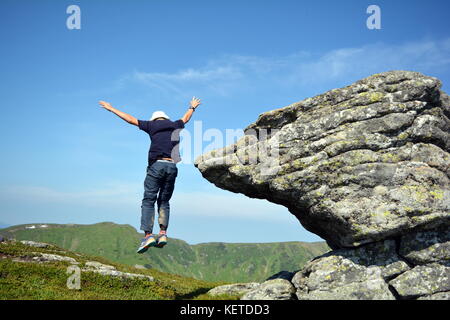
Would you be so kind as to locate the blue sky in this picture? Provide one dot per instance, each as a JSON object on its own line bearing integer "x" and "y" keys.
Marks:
{"x": 66, "y": 160}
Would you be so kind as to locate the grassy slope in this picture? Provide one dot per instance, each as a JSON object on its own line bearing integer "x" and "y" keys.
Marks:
{"x": 31, "y": 280}
{"x": 209, "y": 261}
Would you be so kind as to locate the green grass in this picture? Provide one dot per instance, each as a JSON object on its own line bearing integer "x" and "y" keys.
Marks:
{"x": 231, "y": 262}
{"x": 36, "y": 281}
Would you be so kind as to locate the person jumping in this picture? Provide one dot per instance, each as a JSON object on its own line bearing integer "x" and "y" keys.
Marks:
{"x": 162, "y": 170}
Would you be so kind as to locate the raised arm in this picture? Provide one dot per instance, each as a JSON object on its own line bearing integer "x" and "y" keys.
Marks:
{"x": 194, "y": 103}
{"x": 125, "y": 116}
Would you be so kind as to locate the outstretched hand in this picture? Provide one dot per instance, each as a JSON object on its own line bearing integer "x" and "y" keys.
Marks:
{"x": 195, "y": 102}
{"x": 105, "y": 105}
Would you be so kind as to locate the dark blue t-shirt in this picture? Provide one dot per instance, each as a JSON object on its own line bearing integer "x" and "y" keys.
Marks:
{"x": 165, "y": 138}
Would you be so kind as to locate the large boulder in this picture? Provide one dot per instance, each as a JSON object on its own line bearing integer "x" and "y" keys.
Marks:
{"x": 275, "y": 289}
{"x": 351, "y": 274}
{"x": 107, "y": 270}
{"x": 423, "y": 280}
{"x": 355, "y": 165}
{"x": 379, "y": 271}
{"x": 236, "y": 289}
{"x": 383, "y": 270}
{"x": 426, "y": 247}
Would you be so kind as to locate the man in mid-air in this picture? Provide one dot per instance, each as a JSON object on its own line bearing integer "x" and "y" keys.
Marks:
{"x": 161, "y": 170}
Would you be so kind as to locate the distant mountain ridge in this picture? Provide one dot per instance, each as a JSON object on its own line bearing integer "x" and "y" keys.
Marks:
{"x": 217, "y": 261}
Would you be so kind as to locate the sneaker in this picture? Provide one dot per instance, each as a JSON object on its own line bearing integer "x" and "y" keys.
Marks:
{"x": 147, "y": 242}
{"x": 162, "y": 241}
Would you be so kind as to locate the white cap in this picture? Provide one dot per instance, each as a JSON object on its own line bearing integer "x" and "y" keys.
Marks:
{"x": 159, "y": 114}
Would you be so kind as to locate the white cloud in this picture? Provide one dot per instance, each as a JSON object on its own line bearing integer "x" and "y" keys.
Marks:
{"x": 229, "y": 73}
{"x": 216, "y": 78}
{"x": 225, "y": 72}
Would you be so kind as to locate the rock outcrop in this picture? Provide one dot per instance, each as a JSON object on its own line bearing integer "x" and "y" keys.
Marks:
{"x": 108, "y": 270}
{"x": 378, "y": 271}
{"x": 89, "y": 266}
{"x": 49, "y": 257}
{"x": 354, "y": 165}
{"x": 236, "y": 289}
{"x": 36, "y": 244}
{"x": 367, "y": 168}
{"x": 416, "y": 266}
{"x": 276, "y": 289}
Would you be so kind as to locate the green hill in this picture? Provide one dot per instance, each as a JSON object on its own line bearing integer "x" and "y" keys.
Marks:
{"x": 32, "y": 273}
{"x": 232, "y": 262}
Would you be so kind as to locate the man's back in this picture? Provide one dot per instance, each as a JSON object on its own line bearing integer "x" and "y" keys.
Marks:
{"x": 164, "y": 141}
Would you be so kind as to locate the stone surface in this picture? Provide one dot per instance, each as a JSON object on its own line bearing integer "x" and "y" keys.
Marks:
{"x": 108, "y": 270}
{"x": 351, "y": 274}
{"x": 237, "y": 289}
{"x": 355, "y": 165}
{"x": 373, "y": 289}
{"x": 276, "y": 289}
{"x": 436, "y": 296}
{"x": 367, "y": 168}
{"x": 48, "y": 257}
{"x": 425, "y": 247}
{"x": 35, "y": 244}
{"x": 98, "y": 265}
{"x": 422, "y": 280}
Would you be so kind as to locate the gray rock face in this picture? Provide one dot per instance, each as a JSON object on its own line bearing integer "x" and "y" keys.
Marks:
{"x": 423, "y": 280}
{"x": 367, "y": 168}
{"x": 351, "y": 274}
{"x": 107, "y": 270}
{"x": 355, "y": 165}
{"x": 426, "y": 247}
{"x": 236, "y": 289}
{"x": 415, "y": 266}
{"x": 48, "y": 257}
{"x": 276, "y": 289}
{"x": 36, "y": 244}
{"x": 98, "y": 265}
{"x": 377, "y": 272}
{"x": 437, "y": 296}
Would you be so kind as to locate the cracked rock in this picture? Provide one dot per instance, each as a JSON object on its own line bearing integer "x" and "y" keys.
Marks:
{"x": 351, "y": 274}
{"x": 422, "y": 280}
{"x": 108, "y": 270}
{"x": 355, "y": 165}
{"x": 275, "y": 289}
{"x": 36, "y": 244}
{"x": 236, "y": 289}
{"x": 367, "y": 168}
{"x": 427, "y": 246}
{"x": 48, "y": 257}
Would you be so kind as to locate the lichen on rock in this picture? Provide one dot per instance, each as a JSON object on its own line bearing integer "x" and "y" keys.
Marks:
{"x": 355, "y": 165}
{"x": 367, "y": 168}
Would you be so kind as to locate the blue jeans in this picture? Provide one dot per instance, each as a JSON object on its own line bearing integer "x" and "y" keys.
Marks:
{"x": 158, "y": 185}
